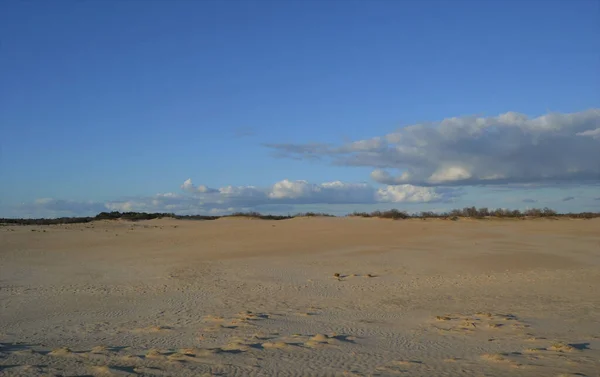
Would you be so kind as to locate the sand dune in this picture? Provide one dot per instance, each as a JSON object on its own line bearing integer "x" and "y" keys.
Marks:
{"x": 301, "y": 297}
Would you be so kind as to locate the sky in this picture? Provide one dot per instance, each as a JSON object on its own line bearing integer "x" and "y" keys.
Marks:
{"x": 212, "y": 107}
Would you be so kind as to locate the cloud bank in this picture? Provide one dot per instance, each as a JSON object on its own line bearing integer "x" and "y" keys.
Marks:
{"x": 201, "y": 199}
{"x": 506, "y": 149}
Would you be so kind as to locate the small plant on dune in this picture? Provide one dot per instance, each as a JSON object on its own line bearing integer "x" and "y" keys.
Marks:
{"x": 313, "y": 214}
{"x": 394, "y": 214}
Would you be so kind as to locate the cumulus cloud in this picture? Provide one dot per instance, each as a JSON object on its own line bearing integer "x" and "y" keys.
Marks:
{"x": 407, "y": 193}
{"x": 328, "y": 192}
{"x": 190, "y": 187}
{"x": 505, "y": 149}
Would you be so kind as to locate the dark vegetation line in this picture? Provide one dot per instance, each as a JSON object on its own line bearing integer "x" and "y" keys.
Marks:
{"x": 468, "y": 212}
{"x": 479, "y": 213}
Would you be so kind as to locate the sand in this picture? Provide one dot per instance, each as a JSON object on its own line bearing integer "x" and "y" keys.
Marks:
{"x": 242, "y": 297}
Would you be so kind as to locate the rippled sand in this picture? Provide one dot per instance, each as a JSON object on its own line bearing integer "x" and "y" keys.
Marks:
{"x": 301, "y": 297}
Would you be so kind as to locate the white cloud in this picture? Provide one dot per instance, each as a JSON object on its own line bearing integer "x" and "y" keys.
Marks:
{"x": 289, "y": 189}
{"x": 190, "y": 187}
{"x": 509, "y": 148}
{"x": 407, "y": 193}
{"x": 449, "y": 174}
{"x": 594, "y": 134}
{"x": 240, "y": 192}
{"x": 328, "y": 192}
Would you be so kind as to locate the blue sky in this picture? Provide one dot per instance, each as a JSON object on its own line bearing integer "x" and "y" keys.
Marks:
{"x": 114, "y": 105}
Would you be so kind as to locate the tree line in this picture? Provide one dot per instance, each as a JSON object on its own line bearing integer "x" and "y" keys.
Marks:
{"x": 455, "y": 214}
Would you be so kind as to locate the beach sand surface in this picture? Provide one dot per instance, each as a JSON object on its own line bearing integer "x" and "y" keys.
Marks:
{"x": 301, "y": 297}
